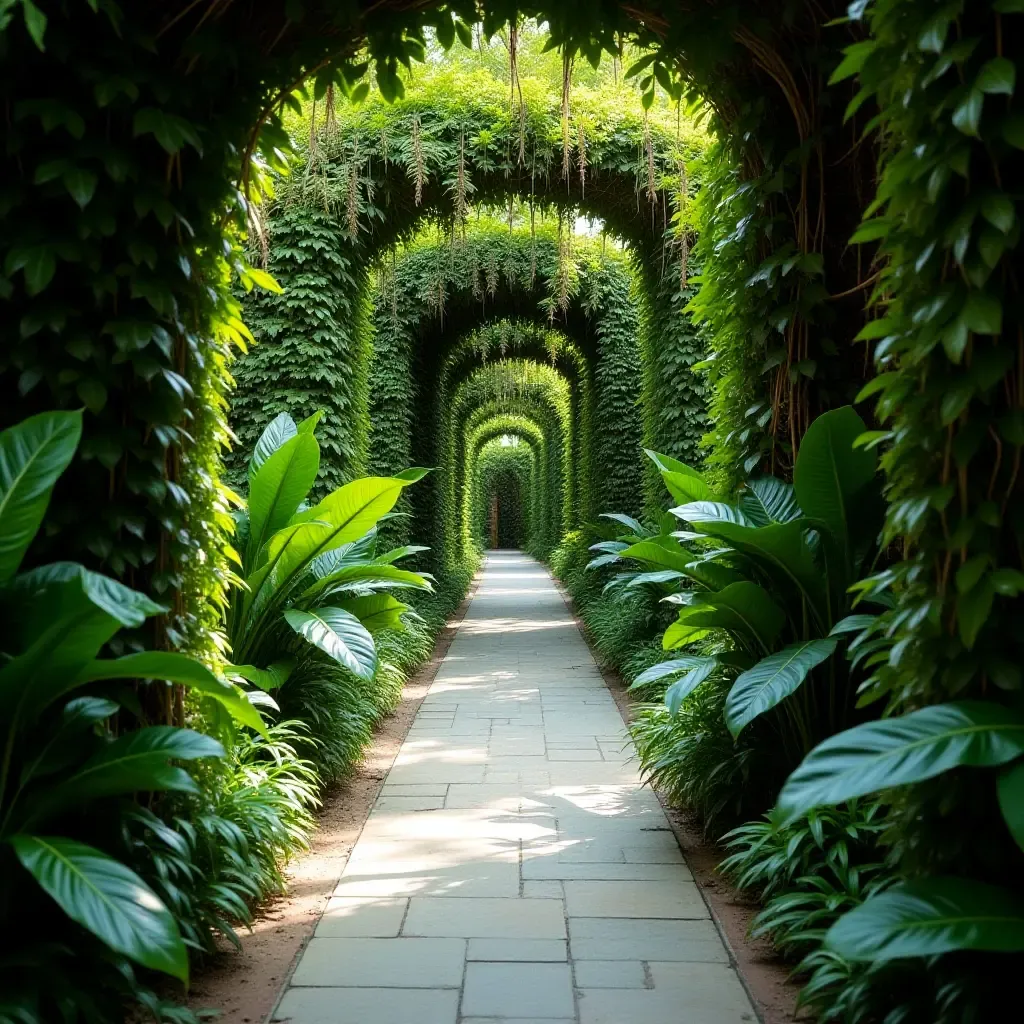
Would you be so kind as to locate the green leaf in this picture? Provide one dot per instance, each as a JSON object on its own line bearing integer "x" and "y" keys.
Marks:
{"x": 683, "y": 483}
{"x": 666, "y": 668}
{"x": 744, "y": 609}
{"x": 997, "y": 76}
{"x": 972, "y": 611}
{"x": 680, "y": 633}
{"x": 928, "y": 917}
{"x": 772, "y": 680}
{"x": 107, "y": 899}
{"x": 263, "y": 280}
{"x": 900, "y": 751}
{"x": 137, "y": 761}
{"x": 983, "y": 313}
{"x": 830, "y": 475}
{"x": 377, "y": 611}
{"x": 33, "y": 455}
{"x": 340, "y": 635}
{"x": 35, "y": 22}
{"x": 767, "y": 500}
{"x": 277, "y": 488}
{"x": 267, "y": 679}
{"x": 967, "y": 115}
{"x": 280, "y": 429}
{"x": 179, "y": 668}
{"x": 1010, "y": 790}
{"x": 81, "y": 185}
{"x": 682, "y": 688}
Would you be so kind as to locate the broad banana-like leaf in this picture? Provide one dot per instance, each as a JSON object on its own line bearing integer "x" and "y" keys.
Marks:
{"x": 309, "y": 424}
{"x": 830, "y": 473}
{"x": 902, "y": 750}
{"x": 397, "y": 554}
{"x": 60, "y": 748}
{"x": 107, "y": 899}
{"x": 682, "y": 688}
{"x": 680, "y": 633}
{"x": 33, "y": 454}
{"x": 772, "y": 680}
{"x": 852, "y": 624}
{"x": 1010, "y": 789}
{"x": 279, "y": 430}
{"x": 68, "y": 615}
{"x": 767, "y": 500}
{"x": 138, "y": 761}
{"x": 277, "y": 488}
{"x": 631, "y": 524}
{"x": 370, "y": 575}
{"x": 377, "y": 612}
{"x": 659, "y": 576}
{"x": 602, "y": 560}
{"x": 179, "y": 668}
{"x": 744, "y": 609}
{"x": 610, "y": 547}
{"x": 781, "y": 550}
{"x": 343, "y": 516}
{"x": 664, "y": 669}
{"x": 340, "y": 635}
{"x": 413, "y": 474}
{"x": 269, "y": 678}
{"x": 711, "y": 512}
{"x": 353, "y": 553}
{"x": 683, "y": 482}
{"x": 665, "y": 553}
{"x": 930, "y": 916}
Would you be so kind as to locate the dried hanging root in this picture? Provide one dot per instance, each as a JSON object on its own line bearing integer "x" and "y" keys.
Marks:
{"x": 652, "y": 190}
{"x": 352, "y": 194}
{"x": 581, "y": 155}
{"x": 419, "y": 164}
{"x": 461, "y": 205}
{"x": 516, "y": 88}
{"x": 684, "y": 238}
{"x": 566, "y": 143}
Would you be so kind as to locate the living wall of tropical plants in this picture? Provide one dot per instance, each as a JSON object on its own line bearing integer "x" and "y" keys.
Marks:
{"x": 738, "y": 283}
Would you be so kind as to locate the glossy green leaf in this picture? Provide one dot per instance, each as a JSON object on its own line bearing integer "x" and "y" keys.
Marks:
{"x": 1010, "y": 789}
{"x": 280, "y": 429}
{"x": 767, "y": 500}
{"x": 928, "y": 917}
{"x": 33, "y": 455}
{"x": 267, "y": 679}
{"x": 340, "y": 635}
{"x": 830, "y": 474}
{"x": 682, "y": 688}
{"x": 772, "y": 680}
{"x": 377, "y": 611}
{"x": 106, "y": 898}
{"x": 179, "y": 668}
{"x": 902, "y": 750}
{"x": 278, "y": 486}
{"x": 745, "y": 609}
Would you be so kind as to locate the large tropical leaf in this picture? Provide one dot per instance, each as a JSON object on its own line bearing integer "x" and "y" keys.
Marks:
{"x": 106, "y": 898}
{"x": 340, "y": 635}
{"x": 767, "y": 500}
{"x": 343, "y": 516}
{"x": 683, "y": 482}
{"x": 278, "y": 486}
{"x": 270, "y": 678}
{"x": 898, "y": 751}
{"x": 830, "y": 473}
{"x": 397, "y": 554}
{"x": 367, "y": 574}
{"x": 631, "y": 524}
{"x": 666, "y": 668}
{"x": 61, "y": 747}
{"x": 715, "y": 512}
{"x": 138, "y": 761}
{"x": 279, "y": 430}
{"x": 1011, "y": 800}
{"x": 773, "y": 679}
{"x": 664, "y": 553}
{"x": 744, "y": 609}
{"x": 782, "y": 551}
{"x": 33, "y": 454}
{"x": 930, "y": 916}
{"x": 682, "y": 688}
{"x": 66, "y": 614}
{"x": 179, "y": 668}
{"x": 377, "y": 611}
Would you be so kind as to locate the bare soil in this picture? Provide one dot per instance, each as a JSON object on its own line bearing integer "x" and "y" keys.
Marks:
{"x": 244, "y": 986}
{"x": 764, "y": 975}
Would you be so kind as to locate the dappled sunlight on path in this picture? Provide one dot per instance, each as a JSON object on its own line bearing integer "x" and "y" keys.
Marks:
{"x": 514, "y": 868}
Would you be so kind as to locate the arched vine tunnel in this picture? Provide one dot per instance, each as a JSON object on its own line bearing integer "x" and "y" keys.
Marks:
{"x": 713, "y": 308}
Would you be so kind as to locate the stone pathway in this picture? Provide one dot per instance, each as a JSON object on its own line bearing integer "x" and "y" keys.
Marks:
{"x": 513, "y": 868}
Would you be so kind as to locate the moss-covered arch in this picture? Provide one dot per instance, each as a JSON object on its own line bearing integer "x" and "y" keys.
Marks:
{"x": 372, "y": 183}
{"x": 495, "y": 277}
{"x": 504, "y": 473}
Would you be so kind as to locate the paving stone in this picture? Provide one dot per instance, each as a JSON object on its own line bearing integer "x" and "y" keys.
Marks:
{"x": 347, "y": 916}
{"x": 360, "y": 1005}
{"x": 425, "y": 789}
{"x": 544, "y": 889}
{"x": 391, "y": 804}
{"x": 486, "y": 918}
{"x": 689, "y": 993}
{"x": 610, "y": 974}
{"x": 519, "y": 950}
{"x": 558, "y": 754}
{"x": 381, "y": 963}
{"x": 555, "y": 868}
{"x": 609, "y": 938}
{"x": 528, "y": 991}
{"x": 677, "y": 898}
